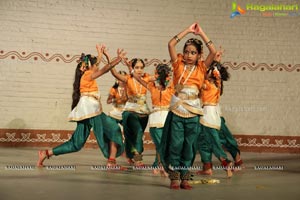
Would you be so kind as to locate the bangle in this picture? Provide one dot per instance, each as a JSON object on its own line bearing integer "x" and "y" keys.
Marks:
{"x": 208, "y": 43}
{"x": 176, "y": 38}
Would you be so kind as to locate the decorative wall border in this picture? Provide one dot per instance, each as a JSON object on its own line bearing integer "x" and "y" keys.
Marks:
{"x": 51, "y": 138}
{"x": 68, "y": 59}
{"x": 262, "y": 66}
{"x": 36, "y": 56}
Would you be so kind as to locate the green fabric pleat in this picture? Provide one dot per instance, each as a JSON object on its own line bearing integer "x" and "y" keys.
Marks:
{"x": 178, "y": 143}
{"x": 228, "y": 140}
{"x": 156, "y": 134}
{"x": 77, "y": 140}
{"x": 209, "y": 142}
{"x": 133, "y": 127}
{"x": 105, "y": 130}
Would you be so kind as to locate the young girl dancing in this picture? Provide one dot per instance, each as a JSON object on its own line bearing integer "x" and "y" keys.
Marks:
{"x": 181, "y": 129}
{"x": 209, "y": 139}
{"x": 136, "y": 111}
{"x": 87, "y": 112}
{"x": 118, "y": 98}
{"x": 161, "y": 91}
{"x": 226, "y": 137}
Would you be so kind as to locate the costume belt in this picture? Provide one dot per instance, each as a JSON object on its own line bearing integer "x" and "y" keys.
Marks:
{"x": 91, "y": 94}
{"x": 184, "y": 96}
{"x": 137, "y": 100}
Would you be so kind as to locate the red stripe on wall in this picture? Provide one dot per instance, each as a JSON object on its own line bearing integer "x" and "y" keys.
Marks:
{"x": 52, "y": 138}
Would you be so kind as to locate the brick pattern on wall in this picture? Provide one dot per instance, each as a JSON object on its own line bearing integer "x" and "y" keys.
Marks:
{"x": 41, "y": 41}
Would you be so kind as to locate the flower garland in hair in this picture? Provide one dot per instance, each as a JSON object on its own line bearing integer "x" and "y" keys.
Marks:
{"x": 83, "y": 59}
{"x": 222, "y": 71}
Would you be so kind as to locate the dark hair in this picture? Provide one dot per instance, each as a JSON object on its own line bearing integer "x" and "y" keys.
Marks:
{"x": 135, "y": 60}
{"x": 163, "y": 72}
{"x": 223, "y": 73}
{"x": 86, "y": 60}
{"x": 116, "y": 85}
{"x": 76, "y": 86}
{"x": 195, "y": 42}
{"x": 93, "y": 60}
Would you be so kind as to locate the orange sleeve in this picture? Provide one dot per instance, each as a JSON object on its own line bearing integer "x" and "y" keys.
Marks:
{"x": 177, "y": 61}
{"x": 87, "y": 84}
{"x": 151, "y": 86}
{"x": 112, "y": 92}
{"x": 206, "y": 85}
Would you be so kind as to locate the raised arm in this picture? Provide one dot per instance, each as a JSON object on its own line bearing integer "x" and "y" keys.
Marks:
{"x": 118, "y": 76}
{"x": 211, "y": 47}
{"x": 100, "y": 50}
{"x": 121, "y": 77}
{"x": 128, "y": 64}
{"x": 172, "y": 43}
{"x": 113, "y": 70}
{"x": 219, "y": 54}
{"x": 120, "y": 55}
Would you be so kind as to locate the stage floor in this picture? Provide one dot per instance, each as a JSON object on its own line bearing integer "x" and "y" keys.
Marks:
{"x": 82, "y": 175}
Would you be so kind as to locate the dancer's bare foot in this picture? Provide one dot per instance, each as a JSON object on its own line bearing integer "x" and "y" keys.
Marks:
{"x": 238, "y": 165}
{"x": 139, "y": 164}
{"x": 229, "y": 169}
{"x": 112, "y": 165}
{"x": 156, "y": 171}
{"x": 138, "y": 160}
{"x": 175, "y": 185}
{"x": 185, "y": 185}
{"x": 130, "y": 161}
{"x": 42, "y": 156}
{"x": 205, "y": 172}
{"x": 163, "y": 173}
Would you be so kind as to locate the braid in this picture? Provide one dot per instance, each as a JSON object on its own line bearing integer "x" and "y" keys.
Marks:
{"x": 76, "y": 86}
{"x": 223, "y": 73}
{"x": 163, "y": 73}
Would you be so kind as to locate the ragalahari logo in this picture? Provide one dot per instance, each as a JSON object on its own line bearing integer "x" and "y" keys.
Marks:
{"x": 236, "y": 10}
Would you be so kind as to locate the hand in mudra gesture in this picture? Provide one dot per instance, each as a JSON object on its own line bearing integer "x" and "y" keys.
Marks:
{"x": 197, "y": 29}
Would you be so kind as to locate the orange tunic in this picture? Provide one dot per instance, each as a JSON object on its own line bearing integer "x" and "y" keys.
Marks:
{"x": 134, "y": 88}
{"x": 196, "y": 78}
{"x": 119, "y": 100}
{"x": 210, "y": 98}
{"x": 87, "y": 84}
{"x": 186, "y": 102}
{"x": 158, "y": 97}
{"x": 89, "y": 104}
{"x": 211, "y": 92}
{"x": 136, "y": 93}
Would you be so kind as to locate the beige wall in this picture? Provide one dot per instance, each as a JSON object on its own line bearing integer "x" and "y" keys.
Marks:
{"x": 36, "y": 94}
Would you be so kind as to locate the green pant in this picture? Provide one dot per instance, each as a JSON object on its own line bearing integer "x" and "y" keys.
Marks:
{"x": 106, "y": 130}
{"x": 209, "y": 142}
{"x": 156, "y": 134}
{"x": 117, "y": 120}
{"x": 178, "y": 143}
{"x": 134, "y": 127}
{"x": 228, "y": 140}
